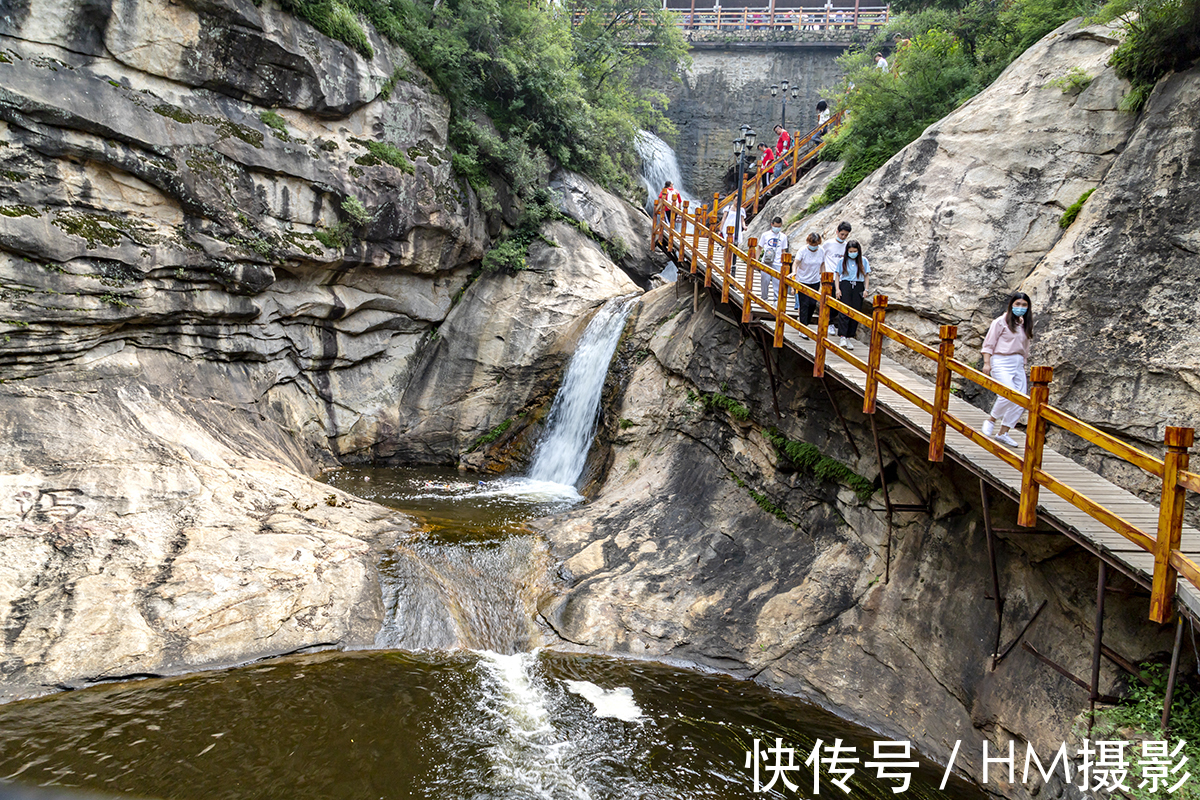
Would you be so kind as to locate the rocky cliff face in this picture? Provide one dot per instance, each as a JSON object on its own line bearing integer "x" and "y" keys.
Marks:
{"x": 232, "y": 252}
{"x": 970, "y": 212}
{"x": 707, "y": 544}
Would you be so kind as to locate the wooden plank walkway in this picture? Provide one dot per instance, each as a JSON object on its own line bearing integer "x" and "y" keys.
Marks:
{"x": 1087, "y": 531}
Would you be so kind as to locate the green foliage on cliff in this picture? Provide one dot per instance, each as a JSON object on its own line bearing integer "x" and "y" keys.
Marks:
{"x": 1161, "y": 36}
{"x": 1138, "y": 718}
{"x": 941, "y": 52}
{"x": 1073, "y": 210}
{"x": 718, "y": 400}
{"x": 806, "y": 457}
{"x": 556, "y": 87}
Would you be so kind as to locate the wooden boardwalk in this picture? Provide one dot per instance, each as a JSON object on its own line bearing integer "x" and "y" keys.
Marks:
{"x": 1098, "y": 537}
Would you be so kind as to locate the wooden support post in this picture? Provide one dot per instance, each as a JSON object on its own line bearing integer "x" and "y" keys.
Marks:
{"x": 654, "y": 225}
{"x": 716, "y": 212}
{"x": 1174, "y": 672}
{"x": 941, "y": 393}
{"x": 1035, "y": 440}
{"x": 991, "y": 550}
{"x": 701, "y": 214}
{"x": 748, "y": 288}
{"x": 1170, "y": 522}
{"x": 1097, "y": 640}
{"x": 822, "y": 324}
{"x": 682, "y": 230}
{"x": 874, "y": 353}
{"x": 781, "y": 302}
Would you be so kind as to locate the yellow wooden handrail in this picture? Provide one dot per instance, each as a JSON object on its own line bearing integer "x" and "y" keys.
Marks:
{"x": 682, "y": 233}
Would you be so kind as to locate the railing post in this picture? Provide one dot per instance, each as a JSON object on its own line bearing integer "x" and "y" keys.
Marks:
{"x": 1035, "y": 440}
{"x": 941, "y": 393}
{"x": 716, "y": 211}
{"x": 781, "y": 303}
{"x": 748, "y": 289}
{"x": 795, "y": 156}
{"x": 729, "y": 271}
{"x": 701, "y": 214}
{"x": 1170, "y": 522}
{"x": 712, "y": 241}
{"x": 822, "y": 324}
{"x": 874, "y": 353}
{"x": 654, "y": 226}
{"x": 682, "y": 232}
{"x": 758, "y": 184}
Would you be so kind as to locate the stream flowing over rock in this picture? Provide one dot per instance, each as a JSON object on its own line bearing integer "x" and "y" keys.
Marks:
{"x": 234, "y": 252}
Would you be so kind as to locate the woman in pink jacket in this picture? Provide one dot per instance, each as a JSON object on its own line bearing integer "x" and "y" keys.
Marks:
{"x": 1005, "y": 351}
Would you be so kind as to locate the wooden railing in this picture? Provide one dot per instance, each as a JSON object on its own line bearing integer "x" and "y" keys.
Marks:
{"x": 802, "y": 151}
{"x": 690, "y": 237}
{"x": 779, "y": 18}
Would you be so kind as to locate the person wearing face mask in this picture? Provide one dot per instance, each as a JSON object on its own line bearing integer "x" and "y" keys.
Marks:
{"x": 774, "y": 245}
{"x": 1005, "y": 351}
{"x": 854, "y": 281}
{"x": 834, "y": 250}
{"x": 807, "y": 270}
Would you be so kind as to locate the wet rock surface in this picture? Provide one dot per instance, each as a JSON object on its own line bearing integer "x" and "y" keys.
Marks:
{"x": 227, "y": 246}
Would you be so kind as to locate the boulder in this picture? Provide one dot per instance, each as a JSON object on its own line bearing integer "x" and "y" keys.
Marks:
{"x": 624, "y": 228}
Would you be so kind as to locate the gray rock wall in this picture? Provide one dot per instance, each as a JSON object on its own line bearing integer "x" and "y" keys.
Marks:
{"x": 728, "y": 86}
{"x": 681, "y": 555}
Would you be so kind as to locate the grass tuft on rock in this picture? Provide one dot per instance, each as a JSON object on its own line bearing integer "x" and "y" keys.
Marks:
{"x": 807, "y": 458}
{"x": 1073, "y": 210}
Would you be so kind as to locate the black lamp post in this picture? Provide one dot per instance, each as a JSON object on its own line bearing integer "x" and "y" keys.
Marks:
{"x": 740, "y": 146}
{"x": 775, "y": 91}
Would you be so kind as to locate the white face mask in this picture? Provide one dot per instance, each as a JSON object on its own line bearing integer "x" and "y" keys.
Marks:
{"x": 775, "y": 230}
{"x": 813, "y": 247}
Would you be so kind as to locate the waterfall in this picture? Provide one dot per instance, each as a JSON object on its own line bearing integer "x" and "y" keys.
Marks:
{"x": 562, "y": 451}
{"x": 529, "y": 758}
{"x": 659, "y": 165}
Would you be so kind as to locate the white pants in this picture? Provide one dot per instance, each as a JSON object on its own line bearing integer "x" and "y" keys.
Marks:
{"x": 1010, "y": 371}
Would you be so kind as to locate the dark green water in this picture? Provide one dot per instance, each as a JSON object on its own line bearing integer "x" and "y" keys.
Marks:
{"x": 450, "y": 725}
{"x": 430, "y": 725}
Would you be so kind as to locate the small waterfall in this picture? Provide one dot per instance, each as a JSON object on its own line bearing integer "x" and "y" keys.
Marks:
{"x": 528, "y": 757}
{"x": 659, "y": 165}
{"x": 562, "y": 452}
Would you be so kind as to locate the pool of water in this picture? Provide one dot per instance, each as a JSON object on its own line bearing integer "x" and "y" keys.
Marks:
{"x": 476, "y": 726}
{"x": 454, "y": 507}
{"x": 436, "y": 719}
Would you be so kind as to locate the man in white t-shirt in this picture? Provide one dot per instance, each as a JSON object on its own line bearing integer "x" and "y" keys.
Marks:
{"x": 774, "y": 245}
{"x": 835, "y": 250}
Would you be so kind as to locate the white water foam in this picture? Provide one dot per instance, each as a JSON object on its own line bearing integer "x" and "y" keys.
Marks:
{"x": 529, "y": 758}
{"x": 616, "y": 703}
{"x": 562, "y": 452}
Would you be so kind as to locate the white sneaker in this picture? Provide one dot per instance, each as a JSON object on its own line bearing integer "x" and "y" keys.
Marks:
{"x": 1004, "y": 438}
{"x": 842, "y": 343}
{"x": 989, "y": 427}
{"x": 849, "y": 344}
{"x": 832, "y": 330}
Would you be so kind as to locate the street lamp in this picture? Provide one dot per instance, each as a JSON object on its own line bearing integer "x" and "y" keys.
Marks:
{"x": 740, "y": 146}
{"x": 783, "y": 116}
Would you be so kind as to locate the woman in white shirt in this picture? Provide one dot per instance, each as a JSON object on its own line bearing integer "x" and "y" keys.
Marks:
{"x": 1005, "y": 350}
{"x": 806, "y": 268}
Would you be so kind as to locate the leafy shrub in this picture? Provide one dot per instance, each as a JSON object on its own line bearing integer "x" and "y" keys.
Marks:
{"x": 335, "y": 20}
{"x": 1140, "y": 714}
{"x": 1161, "y": 36}
{"x": 1074, "y": 82}
{"x": 356, "y": 210}
{"x": 390, "y": 154}
{"x": 1073, "y": 210}
{"x": 275, "y": 122}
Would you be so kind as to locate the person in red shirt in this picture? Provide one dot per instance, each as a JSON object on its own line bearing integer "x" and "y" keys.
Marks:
{"x": 782, "y": 146}
{"x": 764, "y": 167}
